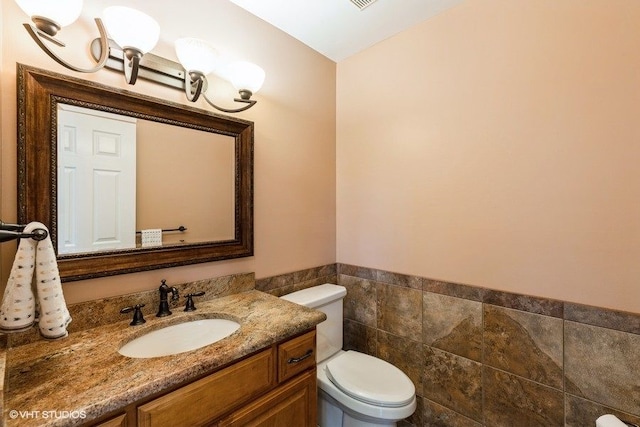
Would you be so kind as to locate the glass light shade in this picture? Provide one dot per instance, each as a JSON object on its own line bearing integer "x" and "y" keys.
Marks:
{"x": 130, "y": 28}
{"x": 62, "y": 12}
{"x": 196, "y": 55}
{"x": 246, "y": 76}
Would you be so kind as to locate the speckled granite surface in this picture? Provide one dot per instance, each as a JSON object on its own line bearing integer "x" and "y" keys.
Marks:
{"x": 85, "y": 372}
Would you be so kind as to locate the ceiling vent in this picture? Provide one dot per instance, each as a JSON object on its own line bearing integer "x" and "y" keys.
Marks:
{"x": 362, "y": 4}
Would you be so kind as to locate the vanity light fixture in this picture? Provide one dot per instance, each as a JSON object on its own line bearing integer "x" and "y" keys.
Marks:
{"x": 49, "y": 17}
{"x": 247, "y": 78}
{"x": 132, "y": 35}
{"x": 135, "y": 32}
{"x": 199, "y": 59}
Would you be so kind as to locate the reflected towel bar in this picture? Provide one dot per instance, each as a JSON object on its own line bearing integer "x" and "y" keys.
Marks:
{"x": 181, "y": 229}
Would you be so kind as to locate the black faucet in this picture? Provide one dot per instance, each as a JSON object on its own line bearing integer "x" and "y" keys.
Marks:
{"x": 164, "y": 289}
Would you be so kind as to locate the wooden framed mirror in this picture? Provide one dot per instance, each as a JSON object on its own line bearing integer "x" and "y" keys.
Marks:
{"x": 41, "y": 94}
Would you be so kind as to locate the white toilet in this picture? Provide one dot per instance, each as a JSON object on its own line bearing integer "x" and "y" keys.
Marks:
{"x": 354, "y": 389}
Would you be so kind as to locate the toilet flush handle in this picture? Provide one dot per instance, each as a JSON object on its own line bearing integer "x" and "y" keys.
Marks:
{"x": 293, "y": 360}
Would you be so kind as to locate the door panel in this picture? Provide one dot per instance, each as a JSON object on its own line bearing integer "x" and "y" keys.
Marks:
{"x": 96, "y": 167}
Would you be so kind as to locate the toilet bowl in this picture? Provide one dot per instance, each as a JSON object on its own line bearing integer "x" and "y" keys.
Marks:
{"x": 366, "y": 391}
{"x": 354, "y": 389}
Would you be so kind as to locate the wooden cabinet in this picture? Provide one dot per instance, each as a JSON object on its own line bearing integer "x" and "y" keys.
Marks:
{"x": 207, "y": 399}
{"x": 118, "y": 421}
{"x": 274, "y": 387}
{"x": 296, "y": 355}
{"x": 293, "y": 404}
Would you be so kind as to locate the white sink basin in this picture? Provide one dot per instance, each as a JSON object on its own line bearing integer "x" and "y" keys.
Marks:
{"x": 179, "y": 338}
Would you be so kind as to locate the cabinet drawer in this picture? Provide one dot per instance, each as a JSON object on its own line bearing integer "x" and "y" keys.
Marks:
{"x": 204, "y": 400}
{"x": 296, "y": 355}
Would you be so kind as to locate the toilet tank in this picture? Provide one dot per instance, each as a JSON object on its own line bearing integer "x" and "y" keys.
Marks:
{"x": 328, "y": 299}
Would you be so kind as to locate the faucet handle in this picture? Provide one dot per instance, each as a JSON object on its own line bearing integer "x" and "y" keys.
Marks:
{"x": 189, "y": 306}
{"x": 138, "y": 318}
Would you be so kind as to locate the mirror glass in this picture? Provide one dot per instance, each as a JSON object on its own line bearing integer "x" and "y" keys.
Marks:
{"x": 105, "y": 200}
{"x": 123, "y": 179}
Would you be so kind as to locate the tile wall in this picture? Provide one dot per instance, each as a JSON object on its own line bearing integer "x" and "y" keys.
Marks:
{"x": 290, "y": 282}
{"x": 480, "y": 357}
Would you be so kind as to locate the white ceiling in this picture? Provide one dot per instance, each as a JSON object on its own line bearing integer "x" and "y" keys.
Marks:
{"x": 338, "y": 28}
{"x": 335, "y": 28}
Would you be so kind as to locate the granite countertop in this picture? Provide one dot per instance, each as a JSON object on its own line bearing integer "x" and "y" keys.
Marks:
{"x": 51, "y": 383}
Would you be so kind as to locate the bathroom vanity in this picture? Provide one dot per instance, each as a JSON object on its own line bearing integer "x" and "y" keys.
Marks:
{"x": 272, "y": 387}
{"x": 263, "y": 374}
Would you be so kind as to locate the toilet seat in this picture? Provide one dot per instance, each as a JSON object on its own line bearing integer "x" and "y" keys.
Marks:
{"x": 370, "y": 380}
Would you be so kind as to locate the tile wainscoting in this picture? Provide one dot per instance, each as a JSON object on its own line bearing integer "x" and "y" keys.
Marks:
{"x": 290, "y": 282}
{"x": 480, "y": 357}
{"x": 477, "y": 357}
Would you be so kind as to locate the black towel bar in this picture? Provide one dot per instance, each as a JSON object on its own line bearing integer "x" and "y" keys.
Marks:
{"x": 182, "y": 228}
{"x": 10, "y": 232}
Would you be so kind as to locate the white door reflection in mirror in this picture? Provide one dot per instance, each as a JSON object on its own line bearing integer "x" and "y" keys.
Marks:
{"x": 96, "y": 180}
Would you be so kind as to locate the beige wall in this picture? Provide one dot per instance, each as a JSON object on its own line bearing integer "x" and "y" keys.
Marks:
{"x": 498, "y": 145}
{"x": 185, "y": 177}
{"x": 295, "y": 136}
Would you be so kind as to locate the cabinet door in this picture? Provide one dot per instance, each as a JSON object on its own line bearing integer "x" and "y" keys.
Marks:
{"x": 202, "y": 401}
{"x": 119, "y": 421}
{"x": 292, "y": 404}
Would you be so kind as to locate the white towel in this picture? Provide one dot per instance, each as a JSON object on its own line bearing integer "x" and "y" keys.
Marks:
{"x": 151, "y": 237}
{"x": 54, "y": 315}
{"x": 17, "y": 311}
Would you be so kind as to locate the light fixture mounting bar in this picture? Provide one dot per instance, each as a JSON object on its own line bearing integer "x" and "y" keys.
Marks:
{"x": 152, "y": 67}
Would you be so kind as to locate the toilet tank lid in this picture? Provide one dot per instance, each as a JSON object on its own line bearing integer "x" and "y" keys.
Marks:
{"x": 317, "y": 296}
